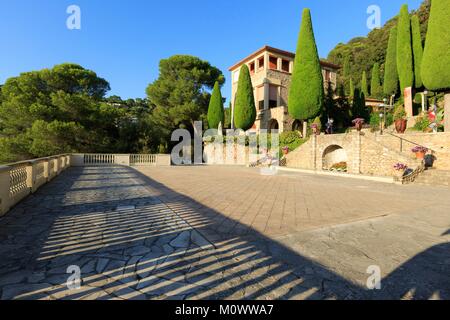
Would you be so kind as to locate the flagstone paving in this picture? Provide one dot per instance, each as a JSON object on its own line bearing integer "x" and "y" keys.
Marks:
{"x": 224, "y": 233}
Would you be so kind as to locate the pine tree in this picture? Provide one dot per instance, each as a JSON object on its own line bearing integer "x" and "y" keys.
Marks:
{"x": 390, "y": 85}
{"x": 216, "y": 113}
{"x": 364, "y": 88}
{"x": 244, "y": 107}
{"x": 306, "y": 95}
{"x": 375, "y": 87}
{"x": 417, "y": 50}
{"x": 404, "y": 50}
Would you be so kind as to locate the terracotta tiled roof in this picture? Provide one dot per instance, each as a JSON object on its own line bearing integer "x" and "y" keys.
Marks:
{"x": 277, "y": 51}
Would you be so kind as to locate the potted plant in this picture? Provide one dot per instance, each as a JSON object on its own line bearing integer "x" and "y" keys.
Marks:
{"x": 358, "y": 122}
{"x": 285, "y": 150}
{"x": 420, "y": 152}
{"x": 399, "y": 170}
{"x": 400, "y": 119}
{"x": 315, "y": 129}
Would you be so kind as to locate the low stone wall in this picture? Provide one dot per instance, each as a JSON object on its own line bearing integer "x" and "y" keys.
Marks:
{"x": 366, "y": 153}
{"x": 439, "y": 142}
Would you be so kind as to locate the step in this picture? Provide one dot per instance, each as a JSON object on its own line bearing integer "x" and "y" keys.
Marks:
{"x": 434, "y": 177}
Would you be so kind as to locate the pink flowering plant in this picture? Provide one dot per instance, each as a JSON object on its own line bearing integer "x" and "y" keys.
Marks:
{"x": 400, "y": 167}
{"x": 419, "y": 149}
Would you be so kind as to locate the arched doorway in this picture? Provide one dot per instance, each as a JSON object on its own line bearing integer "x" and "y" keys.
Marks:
{"x": 335, "y": 158}
{"x": 297, "y": 125}
{"x": 273, "y": 125}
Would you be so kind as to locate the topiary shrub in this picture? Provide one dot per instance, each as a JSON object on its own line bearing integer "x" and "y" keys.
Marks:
{"x": 216, "y": 114}
{"x": 306, "y": 94}
{"x": 244, "y": 107}
{"x": 404, "y": 50}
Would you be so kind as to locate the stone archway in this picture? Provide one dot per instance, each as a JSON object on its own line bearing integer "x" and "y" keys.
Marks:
{"x": 297, "y": 125}
{"x": 334, "y": 157}
{"x": 273, "y": 125}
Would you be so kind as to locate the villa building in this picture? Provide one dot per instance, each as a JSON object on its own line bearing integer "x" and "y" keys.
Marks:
{"x": 271, "y": 71}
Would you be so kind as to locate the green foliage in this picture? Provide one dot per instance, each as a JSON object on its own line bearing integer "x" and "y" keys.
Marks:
{"x": 364, "y": 87}
{"x": 375, "y": 120}
{"x": 244, "y": 107}
{"x": 422, "y": 123}
{"x": 291, "y": 139}
{"x": 180, "y": 94}
{"x": 318, "y": 122}
{"x": 227, "y": 116}
{"x": 399, "y": 112}
{"x": 417, "y": 50}
{"x": 405, "y": 65}
{"x": 215, "y": 111}
{"x": 54, "y": 110}
{"x": 306, "y": 93}
{"x": 364, "y": 52}
{"x": 359, "y": 109}
{"x": 376, "y": 88}
{"x": 436, "y": 57}
{"x": 352, "y": 89}
{"x": 391, "y": 72}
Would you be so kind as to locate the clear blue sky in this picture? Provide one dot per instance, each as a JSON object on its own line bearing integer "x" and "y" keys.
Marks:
{"x": 123, "y": 41}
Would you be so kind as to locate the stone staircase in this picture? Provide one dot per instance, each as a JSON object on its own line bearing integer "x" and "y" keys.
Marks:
{"x": 434, "y": 177}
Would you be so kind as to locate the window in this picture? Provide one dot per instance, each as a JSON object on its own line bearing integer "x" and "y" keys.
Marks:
{"x": 236, "y": 76}
{"x": 261, "y": 63}
{"x": 273, "y": 61}
{"x": 273, "y": 97}
{"x": 261, "y": 105}
{"x": 252, "y": 68}
{"x": 285, "y": 65}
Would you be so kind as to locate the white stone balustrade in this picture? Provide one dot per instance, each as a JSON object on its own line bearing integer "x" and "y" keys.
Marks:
{"x": 20, "y": 179}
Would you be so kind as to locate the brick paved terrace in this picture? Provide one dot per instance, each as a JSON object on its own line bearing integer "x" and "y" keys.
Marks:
{"x": 224, "y": 233}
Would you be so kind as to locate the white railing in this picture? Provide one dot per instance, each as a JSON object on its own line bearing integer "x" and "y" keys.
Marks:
{"x": 18, "y": 180}
{"x": 82, "y": 160}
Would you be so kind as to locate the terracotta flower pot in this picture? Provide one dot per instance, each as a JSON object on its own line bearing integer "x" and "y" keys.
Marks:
{"x": 420, "y": 155}
{"x": 400, "y": 125}
{"x": 359, "y": 126}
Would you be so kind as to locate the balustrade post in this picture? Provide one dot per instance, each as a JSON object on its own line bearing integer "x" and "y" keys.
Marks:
{"x": 31, "y": 176}
{"x": 4, "y": 190}
{"x": 46, "y": 163}
{"x": 57, "y": 166}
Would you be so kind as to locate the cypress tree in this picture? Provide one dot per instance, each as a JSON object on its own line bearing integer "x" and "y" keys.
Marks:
{"x": 417, "y": 50}
{"x": 216, "y": 113}
{"x": 375, "y": 86}
{"x": 364, "y": 88}
{"x": 404, "y": 50}
{"x": 390, "y": 85}
{"x": 352, "y": 89}
{"x": 436, "y": 57}
{"x": 244, "y": 107}
{"x": 306, "y": 94}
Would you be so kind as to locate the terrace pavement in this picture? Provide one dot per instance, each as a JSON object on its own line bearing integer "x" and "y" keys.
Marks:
{"x": 224, "y": 233}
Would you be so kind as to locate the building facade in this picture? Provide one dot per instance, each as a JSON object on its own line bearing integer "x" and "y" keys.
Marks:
{"x": 270, "y": 71}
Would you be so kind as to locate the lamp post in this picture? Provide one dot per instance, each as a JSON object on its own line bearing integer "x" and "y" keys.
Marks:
{"x": 381, "y": 123}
